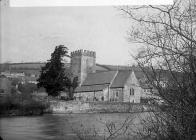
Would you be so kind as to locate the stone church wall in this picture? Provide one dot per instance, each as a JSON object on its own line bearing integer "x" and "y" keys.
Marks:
{"x": 116, "y": 94}
{"x": 96, "y": 107}
{"x": 132, "y": 82}
{"x": 90, "y": 96}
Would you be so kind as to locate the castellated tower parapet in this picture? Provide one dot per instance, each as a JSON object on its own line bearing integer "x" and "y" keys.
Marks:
{"x": 83, "y": 52}
{"x": 82, "y": 63}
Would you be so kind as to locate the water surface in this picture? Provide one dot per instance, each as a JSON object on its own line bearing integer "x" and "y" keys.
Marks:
{"x": 58, "y": 126}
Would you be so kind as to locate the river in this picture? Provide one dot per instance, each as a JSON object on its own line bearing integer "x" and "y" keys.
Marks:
{"x": 61, "y": 126}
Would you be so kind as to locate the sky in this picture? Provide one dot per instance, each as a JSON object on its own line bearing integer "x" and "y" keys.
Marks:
{"x": 30, "y": 34}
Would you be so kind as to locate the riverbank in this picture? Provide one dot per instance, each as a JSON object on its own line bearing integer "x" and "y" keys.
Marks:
{"x": 18, "y": 106}
{"x": 67, "y": 126}
{"x": 11, "y": 113}
{"x": 15, "y": 106}
{"x": 97, "y": 107}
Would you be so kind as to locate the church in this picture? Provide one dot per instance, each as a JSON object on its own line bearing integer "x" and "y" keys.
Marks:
{"x": 97, "y": 82}
{"x": 104, "y": 82}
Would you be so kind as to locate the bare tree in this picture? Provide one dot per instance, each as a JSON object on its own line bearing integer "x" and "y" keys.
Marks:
{"x": 168, "y": 40}
{"x": 111, "y": 129}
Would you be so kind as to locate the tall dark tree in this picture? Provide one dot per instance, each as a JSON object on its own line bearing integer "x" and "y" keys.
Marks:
{"x": 55, "y": 77}
{"x": 71, "y": 85}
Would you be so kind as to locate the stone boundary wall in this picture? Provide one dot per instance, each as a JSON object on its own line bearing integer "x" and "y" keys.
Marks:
{"x": 116, "y": 107}
{"x": 96, "y": 107}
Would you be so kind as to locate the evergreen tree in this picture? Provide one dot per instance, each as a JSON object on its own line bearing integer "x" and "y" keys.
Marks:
{"x": 55, "y": 77}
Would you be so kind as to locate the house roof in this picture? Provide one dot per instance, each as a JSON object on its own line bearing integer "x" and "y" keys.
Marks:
{"x": 91, "y": 88}
{"x": 28, "y": 78}
{"x": 99, "y": 78}
{"x": 121, "y": 79}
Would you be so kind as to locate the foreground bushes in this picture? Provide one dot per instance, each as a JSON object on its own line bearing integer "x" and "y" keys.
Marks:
{"x": 18, "y": 104}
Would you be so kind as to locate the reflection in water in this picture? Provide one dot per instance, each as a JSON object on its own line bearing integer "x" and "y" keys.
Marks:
{"x": 36, "y": 128}
{"x": 57, "y": 126}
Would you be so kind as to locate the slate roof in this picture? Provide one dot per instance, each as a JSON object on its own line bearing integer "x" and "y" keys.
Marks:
{"x": 121, "y": 79}
{"x": 28, "y": 78}
{"x": 91, "y": 88}
{"x": 99, "y": 78}
{"x": 115, "y": 67}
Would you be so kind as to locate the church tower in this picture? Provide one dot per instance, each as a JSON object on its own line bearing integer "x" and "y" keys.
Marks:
{"x": 82, "y": 63}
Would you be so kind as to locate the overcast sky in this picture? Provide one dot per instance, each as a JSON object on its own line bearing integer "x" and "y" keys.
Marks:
{"x": 31, "y": 34}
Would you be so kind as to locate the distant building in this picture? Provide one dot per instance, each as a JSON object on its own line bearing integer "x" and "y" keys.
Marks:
{"x": 12, "y": 75}
{"x": 40, "y": 93}
{"x": 5, "y": 85}
{"x": 25, "y": 73}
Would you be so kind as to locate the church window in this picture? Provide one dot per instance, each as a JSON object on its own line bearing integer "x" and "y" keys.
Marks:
{"x": 116, "y": 93}
{"x": 132, "y": 91}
